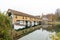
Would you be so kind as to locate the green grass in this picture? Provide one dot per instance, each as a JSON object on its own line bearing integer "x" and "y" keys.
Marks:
{"x": 58, "y": 34}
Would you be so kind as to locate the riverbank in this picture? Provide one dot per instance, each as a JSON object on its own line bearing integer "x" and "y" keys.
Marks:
{"x": 21, "y": 33}
{"x": 57, "y": 30}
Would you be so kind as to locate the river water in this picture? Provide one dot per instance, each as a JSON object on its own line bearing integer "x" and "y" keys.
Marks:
{"x": 37, "y": 35}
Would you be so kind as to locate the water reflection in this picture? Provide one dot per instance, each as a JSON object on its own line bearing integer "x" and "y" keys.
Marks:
{"x": 37, "y": 35}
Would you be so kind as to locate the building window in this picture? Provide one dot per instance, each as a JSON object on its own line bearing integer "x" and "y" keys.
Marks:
{"x": 9, "y": 14}
{"x": 18, "y": 22}
{"x": 16, "y": 16}
{"x": 26, "y": 17}
{"x": 21, "y": 22}
{"x": 23, "y": 17}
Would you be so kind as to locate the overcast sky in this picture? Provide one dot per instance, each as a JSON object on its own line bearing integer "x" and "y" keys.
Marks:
{"x": 33, "y": 7}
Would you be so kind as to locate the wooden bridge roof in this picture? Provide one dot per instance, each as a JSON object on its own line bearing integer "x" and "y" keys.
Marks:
{"x": 21, "y": 13}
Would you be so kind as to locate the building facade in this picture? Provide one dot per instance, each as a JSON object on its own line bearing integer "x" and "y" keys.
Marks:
{"x": 22, "y": 20}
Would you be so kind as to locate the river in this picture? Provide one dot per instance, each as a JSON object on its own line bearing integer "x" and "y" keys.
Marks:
{"x": 37, "y": 35}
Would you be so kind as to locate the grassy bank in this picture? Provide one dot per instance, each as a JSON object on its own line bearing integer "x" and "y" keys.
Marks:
{"x": 21, "y": 33}
{"x": 57, "y": 29}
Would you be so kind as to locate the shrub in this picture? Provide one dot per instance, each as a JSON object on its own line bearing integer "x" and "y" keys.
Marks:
{"x": 4, "y": 27}
{"x": 57, "y": 27}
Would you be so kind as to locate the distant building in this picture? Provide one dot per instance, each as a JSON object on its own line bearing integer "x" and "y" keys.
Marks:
{"x": 22, "y": 19}
{"x": 51, "y": 17}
